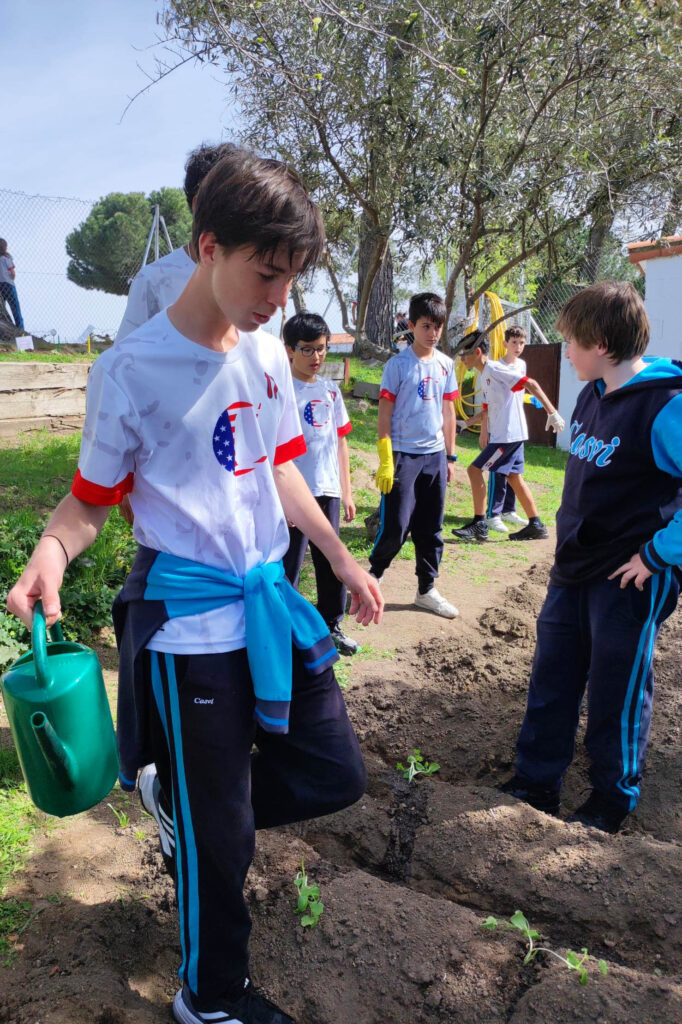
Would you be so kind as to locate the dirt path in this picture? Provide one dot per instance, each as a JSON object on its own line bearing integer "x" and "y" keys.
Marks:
{"x": 408, "y": 874}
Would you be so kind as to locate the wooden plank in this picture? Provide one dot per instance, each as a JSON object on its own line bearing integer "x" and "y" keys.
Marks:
{"x": 35, "y": 376}
{"x": 43, "y": 402}
{"x": 65, "y": 424}
{"x": 544, "y": 366}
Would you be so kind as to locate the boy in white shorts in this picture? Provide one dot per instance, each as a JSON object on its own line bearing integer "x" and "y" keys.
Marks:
{"x": 503, "y": 388}
{"x": 194, "y": 415}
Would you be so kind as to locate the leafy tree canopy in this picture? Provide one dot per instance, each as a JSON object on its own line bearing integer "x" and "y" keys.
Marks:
{"x": 107, "y": 248}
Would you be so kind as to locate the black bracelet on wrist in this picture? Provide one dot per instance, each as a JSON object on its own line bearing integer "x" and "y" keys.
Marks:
{"x": 61, "y": 544}
{"x": 452, "y": 458}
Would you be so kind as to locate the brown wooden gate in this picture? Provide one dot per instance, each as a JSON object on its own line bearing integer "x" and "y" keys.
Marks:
{"x": 544, "y": 366}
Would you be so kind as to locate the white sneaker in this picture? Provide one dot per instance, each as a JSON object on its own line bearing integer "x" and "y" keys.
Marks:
{"x": 149, "y": 789}
{"x": 436, "y": 603}
{"x": 495, "y": 523}
{"x": 515, "y": 518}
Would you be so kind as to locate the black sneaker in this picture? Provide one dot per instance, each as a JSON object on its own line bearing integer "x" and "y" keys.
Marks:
{"x": 542, "y": 798}
{"x": 598, "y": 812}
{"x": 250, "y": 1008}
{"x": 473, "y": 531}
{"x": 344, "y": 644}
{"x": 534, "y": 531}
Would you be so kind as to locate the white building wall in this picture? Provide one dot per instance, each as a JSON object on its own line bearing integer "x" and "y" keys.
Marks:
{"x": 664, "y": 305}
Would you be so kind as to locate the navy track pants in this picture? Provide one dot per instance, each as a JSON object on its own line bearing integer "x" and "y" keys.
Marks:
{"x": 218, "y": 792}
{"x": 501, "y": 497}
{"x": 415, "y": 504}
{"x": 331, "y": 593}
{"x": 598, "y": 636}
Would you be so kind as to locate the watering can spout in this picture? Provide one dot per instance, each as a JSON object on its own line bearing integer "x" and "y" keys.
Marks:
{"x": 57, "y": 755}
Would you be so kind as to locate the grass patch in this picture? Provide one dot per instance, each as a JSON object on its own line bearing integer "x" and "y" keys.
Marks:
{"x": 18, "y": 823}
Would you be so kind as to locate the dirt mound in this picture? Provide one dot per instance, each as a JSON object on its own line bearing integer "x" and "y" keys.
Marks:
{"x": 407, "y": 874}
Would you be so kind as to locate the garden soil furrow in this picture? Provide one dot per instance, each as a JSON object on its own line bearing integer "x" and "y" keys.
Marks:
{"x": 408, "y": 874}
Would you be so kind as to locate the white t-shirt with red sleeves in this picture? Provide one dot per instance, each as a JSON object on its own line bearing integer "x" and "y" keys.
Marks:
{"x": 418, "y": 388}
{"x": 192, "y": 435}
{"x": 324, "y": 420}
{"x": 503, "y": 387}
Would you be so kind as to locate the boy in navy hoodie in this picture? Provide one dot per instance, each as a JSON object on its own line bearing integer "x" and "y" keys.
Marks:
{"x": 616, "y": 573}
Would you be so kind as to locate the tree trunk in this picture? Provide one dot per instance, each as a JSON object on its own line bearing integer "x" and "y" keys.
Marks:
{"x": 298, "y": 296}
{"x": 378, "y": 323}
{"x": 602, "y": 222}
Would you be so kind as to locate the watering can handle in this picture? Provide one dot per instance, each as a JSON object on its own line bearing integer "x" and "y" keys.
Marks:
{"x": 39, "y": 642}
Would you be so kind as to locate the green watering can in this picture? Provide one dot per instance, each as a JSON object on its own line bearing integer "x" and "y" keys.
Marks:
{"x": 61, "y": 722}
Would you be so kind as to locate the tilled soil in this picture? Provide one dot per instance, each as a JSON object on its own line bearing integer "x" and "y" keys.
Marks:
{"x": 407, "y": 875}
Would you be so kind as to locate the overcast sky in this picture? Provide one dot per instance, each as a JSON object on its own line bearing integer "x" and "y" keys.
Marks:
{"x": 69, "y": 70}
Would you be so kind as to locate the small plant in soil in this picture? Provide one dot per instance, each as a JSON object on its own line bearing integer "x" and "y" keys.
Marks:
{"x": 578, "y": 962}
{"x": 309, "y": 904}
{"x": 416, "y": 765}
{"x": 121, "y": 816}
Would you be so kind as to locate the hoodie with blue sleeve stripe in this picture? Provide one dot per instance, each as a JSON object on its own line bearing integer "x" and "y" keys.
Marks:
{"x": 623, "y": 486}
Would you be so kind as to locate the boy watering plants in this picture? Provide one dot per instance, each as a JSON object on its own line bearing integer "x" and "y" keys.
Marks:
{"x": 194, "y": 415}
{"x": 616, "y": 572}
{"x": 325, "y": 466}
{"x": 417, "y": 451}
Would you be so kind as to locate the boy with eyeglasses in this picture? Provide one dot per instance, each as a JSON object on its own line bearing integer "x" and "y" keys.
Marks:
{"x": 325, "y": 465}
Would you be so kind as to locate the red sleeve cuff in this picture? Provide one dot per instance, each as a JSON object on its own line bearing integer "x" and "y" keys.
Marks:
{"x": 520, "y": 384}
{"x": 485, "y": 405}
{"x": 345, "y": 429}
{"x": 291, "y": 450}
{"x": 450, "y": 396}
{"x": 387, "y": 394}
{"x": 95, "y": 494}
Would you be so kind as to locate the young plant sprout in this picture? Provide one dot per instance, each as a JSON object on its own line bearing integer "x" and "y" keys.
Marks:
{"x": 309, "y": 903}
{"x": 416, "y": 765}
{"x": 573, "y": 961}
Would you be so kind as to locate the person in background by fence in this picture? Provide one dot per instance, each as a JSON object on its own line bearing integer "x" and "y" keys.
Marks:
{"x": 158, "y": 284}
{"x": 8, "y": 290}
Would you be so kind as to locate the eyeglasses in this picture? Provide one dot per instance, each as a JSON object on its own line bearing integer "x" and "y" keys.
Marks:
{"x": 308, "y": 353}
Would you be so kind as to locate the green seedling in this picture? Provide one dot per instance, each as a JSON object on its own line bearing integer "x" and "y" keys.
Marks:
{"x": 416, "y": 765}
{"x": 121, "y": 816}
{"x": 139, "y": 834}
{"x": 578, "y": 962}
{"x": 309, "y": 903}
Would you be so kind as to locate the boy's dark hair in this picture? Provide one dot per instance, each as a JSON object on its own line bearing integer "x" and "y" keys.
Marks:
{"x": 470, "y": 342}
{"x": 262, "y": 204}
{"x": 199, "y": 162}
{"x": 611, "y": 312}
{"x": 427, "y": 304}
{"x": 515, "y": 331}
{"x": 305, "y": 327}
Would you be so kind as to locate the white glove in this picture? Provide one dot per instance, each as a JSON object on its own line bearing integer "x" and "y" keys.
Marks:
{"x": 556, "y": 422}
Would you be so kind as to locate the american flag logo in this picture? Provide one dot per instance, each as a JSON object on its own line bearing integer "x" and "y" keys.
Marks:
{"x": 273, "y": 390}
{"x": 316, "y": 413}
{"x": 226, "y": 437}
{"x": 426, "y": 388}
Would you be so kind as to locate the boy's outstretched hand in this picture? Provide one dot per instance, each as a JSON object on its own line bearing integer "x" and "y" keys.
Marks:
{"x": 634, "y": 569}
{"x": 366, "y": 599}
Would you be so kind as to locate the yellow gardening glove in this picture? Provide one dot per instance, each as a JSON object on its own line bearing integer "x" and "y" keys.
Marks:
{"x": 384, "y": 476}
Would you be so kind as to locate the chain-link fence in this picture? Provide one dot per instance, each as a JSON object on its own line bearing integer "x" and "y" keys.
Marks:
{"x": 53, "y": 307}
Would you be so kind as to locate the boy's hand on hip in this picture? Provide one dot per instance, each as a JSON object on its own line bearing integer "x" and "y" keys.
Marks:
{"x": 555, "y": 422}
{"x": 634, "y": 569}
{"x": 40, "y": 581}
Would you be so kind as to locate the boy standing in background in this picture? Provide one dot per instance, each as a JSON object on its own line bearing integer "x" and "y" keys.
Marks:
{"x": 503, "y": 454}
{"x": 417, "y": 451}
{"x": 325, "y": 466}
